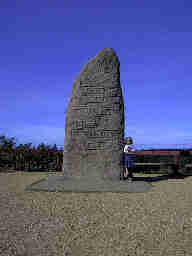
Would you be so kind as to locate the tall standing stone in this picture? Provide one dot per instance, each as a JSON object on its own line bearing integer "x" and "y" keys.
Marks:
{"x": 94, "y": 128}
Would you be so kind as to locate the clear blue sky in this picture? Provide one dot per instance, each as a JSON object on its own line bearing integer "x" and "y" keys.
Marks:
{"x": 45, "y": 44}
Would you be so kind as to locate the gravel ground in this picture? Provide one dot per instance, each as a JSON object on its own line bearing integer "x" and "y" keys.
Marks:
{"x": 158, "y": 222}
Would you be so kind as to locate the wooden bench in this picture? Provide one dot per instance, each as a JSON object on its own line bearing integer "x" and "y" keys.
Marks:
{"x": 188, "y": 165}
{"x": 161, "y": 163}
{"x": 169, "y": 166}
{"x": 186, "y": 170}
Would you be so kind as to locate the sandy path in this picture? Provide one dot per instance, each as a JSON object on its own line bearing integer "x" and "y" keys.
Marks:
{"x": 158, "y": 222}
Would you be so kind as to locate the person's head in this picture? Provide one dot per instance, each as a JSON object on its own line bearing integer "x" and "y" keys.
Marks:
{"x": 129, "y": 140}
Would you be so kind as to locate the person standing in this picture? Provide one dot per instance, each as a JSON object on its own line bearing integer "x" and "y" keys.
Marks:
{"x": 129, "y": 150}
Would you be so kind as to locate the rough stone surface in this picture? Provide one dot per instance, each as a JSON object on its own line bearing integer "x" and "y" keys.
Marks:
{"x": 94, "y": 128}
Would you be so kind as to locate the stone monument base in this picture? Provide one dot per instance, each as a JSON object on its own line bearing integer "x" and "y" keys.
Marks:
{"x": 97, "y": 165}
{"x": 62, "y": 184}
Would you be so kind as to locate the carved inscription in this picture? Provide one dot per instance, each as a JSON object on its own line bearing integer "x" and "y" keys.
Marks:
{"x": 99, "y": 79}
{"x": 108, "y": 144}
{"x": 84, "y": 100}
{"x": 106, "y": 65}
{"x": 98, "y": 95}
{"x": 92, "y": 104}
{"x": 75, "y": 132}
{"x": 91, "y": 91}
{"x": 81, "y": 124}
{"x": 114, "y": 92}
{"x": 101, "y": 133}
{"x": 92, "y": 146}
{"x": 116, "y": 107}
{"x": 100, "y": 111}
{"x": 90, "y": 130}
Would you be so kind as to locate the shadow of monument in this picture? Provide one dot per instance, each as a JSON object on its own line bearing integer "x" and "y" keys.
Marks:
{"x": 159, "y": 178}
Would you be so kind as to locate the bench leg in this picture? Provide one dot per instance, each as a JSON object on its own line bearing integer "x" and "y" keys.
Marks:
{"x": 130, "y": 172}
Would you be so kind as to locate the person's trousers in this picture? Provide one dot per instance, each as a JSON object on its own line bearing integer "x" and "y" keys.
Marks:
{"x": 129, "y": 163}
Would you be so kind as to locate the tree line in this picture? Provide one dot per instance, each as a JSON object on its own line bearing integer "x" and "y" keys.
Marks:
{"x": 26, "y": 157}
